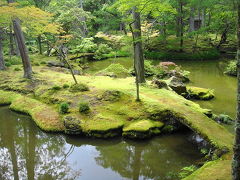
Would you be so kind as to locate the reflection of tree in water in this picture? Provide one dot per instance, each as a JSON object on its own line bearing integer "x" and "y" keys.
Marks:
{"x": 28, "y": 153}
{"x": 161, "y": 158}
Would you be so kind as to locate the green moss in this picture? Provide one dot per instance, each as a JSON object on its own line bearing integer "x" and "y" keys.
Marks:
{"x": 44, "y": 116}
{"x": 213, "y": 170}
{"x": 200, "y": 93}
{"x": 83, "y": 107}
{"x": 79, "y": 88}
{"x": 142, "y": 129}
{"x": 56, "y": 88}
{"x": 114, "y": 70}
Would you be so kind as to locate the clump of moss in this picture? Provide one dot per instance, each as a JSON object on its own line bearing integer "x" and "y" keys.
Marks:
{"x": 79, "y": 88}
{"x": 17, "y": 69}
{"x": 223, "y": 118}
{"x": 65, "y": 86}
{"x": 43, "y": 62}
{"x": 72, "y": 125}
{"x": 83, "y": 107}
{"x": 114, "y": 70}
{"x": 56, "y": 88}
{"x": 36, "y": 64}
{"x": 111, "y": 96}
{"x": 142, "y": 129}
{"x": 8, "y": 64}
{"x": 200, "y": 93}
{"x": 64, "y": 108}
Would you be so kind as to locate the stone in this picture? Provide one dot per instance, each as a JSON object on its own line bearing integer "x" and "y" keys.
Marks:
{"x": 72, "y": 125}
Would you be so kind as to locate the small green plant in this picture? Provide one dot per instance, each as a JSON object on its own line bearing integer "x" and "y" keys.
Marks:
{"x": 36, "y": 64}
{"x": 65, "y": 86}
{"x": 7, "y": 64}
{"x": 43, "y": 62}
{"x": 64, "y": 108}
{"x": 231, "y": 68}
{"x": 186, "y": 171}
{"x": 56, "y": 88}
{"x": 17, "y": 69}
{"x": 84, "y": 107}
{"x": 79, "y": 88}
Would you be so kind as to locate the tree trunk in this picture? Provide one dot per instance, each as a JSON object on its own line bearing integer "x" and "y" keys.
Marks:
{"x": 23, "y": 49}
{"x": 12, "y": 50}
{"x": 2, "y": 63}
{"x": 39, "y": 40}
{"x": 83, "y": 27}
{"x": 191, "y": 20}
{"x": 181, "y": 26}
{"x": 137, "y": 45}
{"x": 236, "y": 149}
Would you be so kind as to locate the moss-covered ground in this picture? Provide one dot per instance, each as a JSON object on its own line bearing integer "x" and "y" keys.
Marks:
{"x": 113, "y": 108}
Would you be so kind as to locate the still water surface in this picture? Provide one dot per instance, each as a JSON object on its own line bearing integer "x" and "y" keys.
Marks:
{"x": 28, "y": 153}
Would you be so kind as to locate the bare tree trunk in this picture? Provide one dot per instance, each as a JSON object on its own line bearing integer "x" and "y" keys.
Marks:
{"x": 236, "y": 149}
{"x": 138, "y": 50}
{"x": 181, "y": 26}
{"x": 12, "y": 50}
{"x": 83, "y": 27}
{"x": 191, "y": 20}
{"x": 39, "y": 40}
{"x": 2, "y": 63}
{"x": 23, "y": 49}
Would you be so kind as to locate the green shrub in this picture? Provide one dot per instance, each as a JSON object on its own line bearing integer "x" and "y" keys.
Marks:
{"x": 14, "y": 60}
{"x": 64, "y": 108}
{"x": 86, "y": 46}
{"x": 56, "y": 88}
{"x": 43, "y": 62}
{"x": 79, "y": 88}
{"x": 17, "y": 69}
{"x": 203, "y": 55}
{"x": 102, "y": 50}
{"x": 36, "y": 64}
{"x": 84, "y": 107}
{"x": 65, "y": 86}
{"x": 231, "y": 68}
{"x": 7, "y": 64}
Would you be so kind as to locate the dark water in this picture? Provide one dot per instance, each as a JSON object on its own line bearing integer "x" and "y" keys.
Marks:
{"x": 206, "y": 74}
{"x": 28, "y": 153}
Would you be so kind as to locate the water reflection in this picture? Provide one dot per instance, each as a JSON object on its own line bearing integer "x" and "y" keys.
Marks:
{"x": 28, "y": 153}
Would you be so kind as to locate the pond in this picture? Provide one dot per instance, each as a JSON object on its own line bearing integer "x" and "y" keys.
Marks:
{"x": 29, "y": 153}
{"x": 206, "y": 74}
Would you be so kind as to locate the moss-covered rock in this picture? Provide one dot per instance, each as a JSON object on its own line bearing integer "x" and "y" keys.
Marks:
{"x": 142, "y": 129}
{"x": 72, "y": 125}
{"x": 111, "y": 95}
{"x": 200, "y": 93}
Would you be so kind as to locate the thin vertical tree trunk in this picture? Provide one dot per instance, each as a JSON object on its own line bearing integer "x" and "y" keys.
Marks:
{"x": 181, "y": 26}
{"x": 191, "y": 20}
{"x": 138, "y": 50}
{"x": 2, "y": 63}
{"x": 236, "y": 149}
{"x": 39, "y": 40}
{"x": 12, "y": 50}
{"x": 23, "y": 49}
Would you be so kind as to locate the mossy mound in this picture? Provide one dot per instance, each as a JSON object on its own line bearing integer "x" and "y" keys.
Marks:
{"x": 199, "y": 93}
{"x": 142, "y": 129}
{"x": 114, "y": 70}
{"x": 103, "y": 127}
{"x": 44, "y": 116}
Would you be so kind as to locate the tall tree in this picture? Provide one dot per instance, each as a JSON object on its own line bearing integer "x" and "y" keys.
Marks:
{"x": 236, "y": 156}
{"x": 2, "y": 64}
{"x": 22, "y": 47}
{"x": 137, "y": 45}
